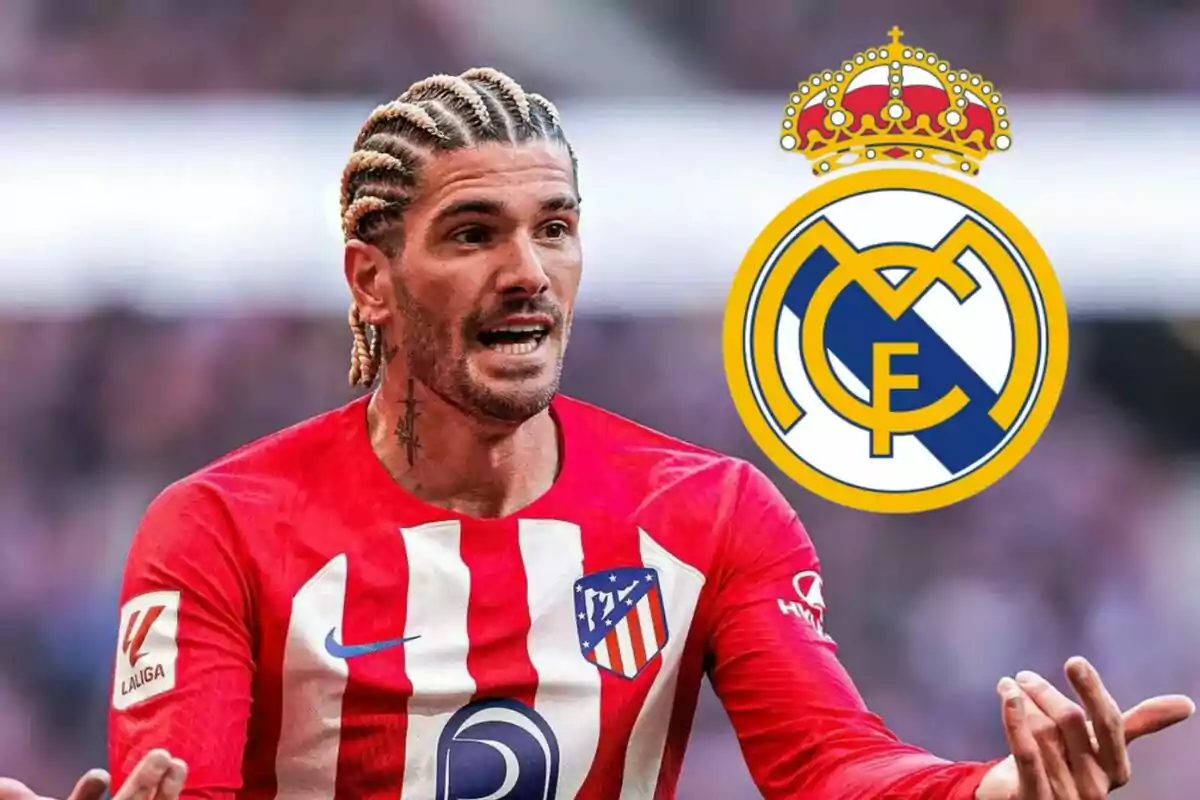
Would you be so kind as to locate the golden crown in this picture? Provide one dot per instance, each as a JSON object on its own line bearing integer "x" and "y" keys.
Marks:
{"x": 895, "y": 103}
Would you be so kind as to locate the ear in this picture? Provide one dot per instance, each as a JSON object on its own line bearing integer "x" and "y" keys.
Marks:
{"x": 367, "y": 276}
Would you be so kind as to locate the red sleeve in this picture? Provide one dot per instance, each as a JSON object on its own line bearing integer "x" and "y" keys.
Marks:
{"x": 804, "y": 729}
{"x": 184, "y": 655}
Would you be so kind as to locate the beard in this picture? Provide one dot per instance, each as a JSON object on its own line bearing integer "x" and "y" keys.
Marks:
{"x": 436, "y": 354}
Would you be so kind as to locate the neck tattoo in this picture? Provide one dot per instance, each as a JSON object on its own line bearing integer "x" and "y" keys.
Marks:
{"x": 406, "y": 431}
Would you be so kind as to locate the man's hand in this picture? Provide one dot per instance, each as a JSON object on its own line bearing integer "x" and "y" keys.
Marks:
{"x": 157, "y": 777}
{"x": 1064, "y": 751}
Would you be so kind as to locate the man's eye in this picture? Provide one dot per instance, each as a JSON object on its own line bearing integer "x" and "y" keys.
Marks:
{"x": 472, "y": 235}
{"x": 556, "y": 230}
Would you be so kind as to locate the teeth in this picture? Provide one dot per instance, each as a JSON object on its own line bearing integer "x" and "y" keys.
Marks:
{"x": 518, "y": 329}
{"x": 517, "y": 349}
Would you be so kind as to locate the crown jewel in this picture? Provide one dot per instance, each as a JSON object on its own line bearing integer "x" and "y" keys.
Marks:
{"x": 895, "y": 103}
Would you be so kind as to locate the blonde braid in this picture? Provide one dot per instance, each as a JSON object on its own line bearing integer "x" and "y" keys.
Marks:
{"x": 460, "y": 90}
{"x": 507, "y": 86}
{"x": 359, "y": 209}
{"x": 364, "y": 352}
{"x": 548, "y": 107}
{"x": 366, "y": 161}
{"x": 396, "y": 110}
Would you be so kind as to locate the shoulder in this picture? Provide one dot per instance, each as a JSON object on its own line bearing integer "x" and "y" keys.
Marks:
{"x": 717, "y": 513}
{"x": 216, "y": 530}
{"x": 606, "y": 436}
{"x": 267, "y": 473}
{"x": 650, "y": 463}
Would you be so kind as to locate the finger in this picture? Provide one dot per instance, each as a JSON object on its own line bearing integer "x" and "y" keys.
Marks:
{"x": 1070, "y": 729}
{"x": 1088, "y": 779}
{"x": 1024, "y": 748}
{"x": 172, "y": 783}
{"x": 1151, "y": 716}
{"x": 91, "y": 786}
{"x": 1108, "y": 727}
{"x": 144, "y": 781}
{"x": 1053, "y": 751}
{"x": 15, "y": 790}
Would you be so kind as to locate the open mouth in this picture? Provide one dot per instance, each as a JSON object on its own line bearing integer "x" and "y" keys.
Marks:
{"x": 514, "y": 340}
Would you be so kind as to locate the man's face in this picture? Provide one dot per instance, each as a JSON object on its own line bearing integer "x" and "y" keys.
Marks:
{"x": 485, "y": 283}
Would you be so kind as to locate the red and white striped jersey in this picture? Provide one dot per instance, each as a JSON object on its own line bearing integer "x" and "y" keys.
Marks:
{"x": 295, "y": 625}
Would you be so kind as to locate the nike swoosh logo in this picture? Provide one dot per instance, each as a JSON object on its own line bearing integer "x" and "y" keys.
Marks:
{"x": 339, "y": 650}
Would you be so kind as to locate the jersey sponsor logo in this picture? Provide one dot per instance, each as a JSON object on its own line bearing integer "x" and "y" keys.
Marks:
{"x": 810, "y": 606}
{"x": 896, "y": 339}
{"x": 498, "y": 749}
{"x": 148, "y": 648}
{"x": 339, "y": 650}
{"x": 621, "y": 619}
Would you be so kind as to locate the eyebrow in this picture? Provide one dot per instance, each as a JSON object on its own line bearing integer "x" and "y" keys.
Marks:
{"x": 491, "y": 208}
{"x": 564, "y": 202}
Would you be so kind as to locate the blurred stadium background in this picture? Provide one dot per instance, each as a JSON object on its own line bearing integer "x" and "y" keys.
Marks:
{"x": 170, "y": 287}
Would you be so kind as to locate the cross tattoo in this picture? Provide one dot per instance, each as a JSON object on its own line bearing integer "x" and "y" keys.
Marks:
{"x": 406, "y": 431}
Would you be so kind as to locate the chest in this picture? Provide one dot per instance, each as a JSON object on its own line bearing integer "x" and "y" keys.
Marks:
{"x": 558, "y": 635}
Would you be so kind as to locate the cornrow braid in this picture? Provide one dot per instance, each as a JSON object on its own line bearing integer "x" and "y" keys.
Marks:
{"x": 504, "y": 86}
{"x": 364, "y": 355}
{"x": 438, "y": 114}
{"x": 550, "y": 110}
{"x": 405, "y": 112}
{"x": 457, "y": 91}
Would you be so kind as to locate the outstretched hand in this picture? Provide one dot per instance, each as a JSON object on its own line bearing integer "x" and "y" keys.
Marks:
{"x": 158, "y": 776}
{"x": 1062, "y": 750}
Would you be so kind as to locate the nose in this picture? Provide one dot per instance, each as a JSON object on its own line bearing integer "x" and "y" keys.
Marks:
{"x": 523, "y": 273}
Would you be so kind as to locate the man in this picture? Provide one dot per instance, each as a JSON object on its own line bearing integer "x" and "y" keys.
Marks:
{"x": 464, "y": 585}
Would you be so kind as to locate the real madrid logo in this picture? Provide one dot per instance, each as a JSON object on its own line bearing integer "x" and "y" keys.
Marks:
{"x": 896, "y": 340}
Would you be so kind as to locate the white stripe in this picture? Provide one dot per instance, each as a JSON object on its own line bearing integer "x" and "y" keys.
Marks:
{"x": 568, "y": 695}
{"x": 625, "y": 646}
{"x": 680, "y": 585}
{"x": 601, "y": 653}
{"x": 314, "y": 683}
{"x": 646, "y": 623}
{"x": 830, "y": 443}
{"x": 439, "y": 588}
{"x": 961, "y": 325}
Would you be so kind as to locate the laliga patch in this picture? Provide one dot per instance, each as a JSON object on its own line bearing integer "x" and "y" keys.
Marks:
{"x": 148, "y": 648}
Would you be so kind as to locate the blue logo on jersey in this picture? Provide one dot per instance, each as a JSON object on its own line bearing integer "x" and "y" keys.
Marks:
{"x": 497, "y": 749}
{"x": 339, "y": 650}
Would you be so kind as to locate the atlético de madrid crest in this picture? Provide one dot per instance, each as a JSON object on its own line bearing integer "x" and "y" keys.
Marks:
{"x": 895, "y": 339}
{"x": 621, "y": 620}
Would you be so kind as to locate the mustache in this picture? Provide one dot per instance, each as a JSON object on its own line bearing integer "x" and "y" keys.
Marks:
{"x": 525, "y": 305}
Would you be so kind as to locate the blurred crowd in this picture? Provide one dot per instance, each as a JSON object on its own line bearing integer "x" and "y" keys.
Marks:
{"x": 377, "y": 46}
{"x": 1090, "y": 546}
